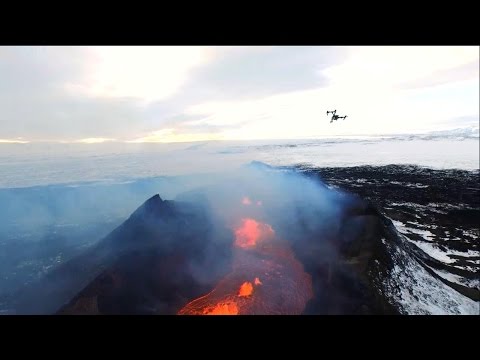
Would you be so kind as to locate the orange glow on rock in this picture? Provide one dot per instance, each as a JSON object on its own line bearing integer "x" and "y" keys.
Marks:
{"x": 251, "y": 232}
{"x": 257, "y": 281}
{"x": 246, "y": 289}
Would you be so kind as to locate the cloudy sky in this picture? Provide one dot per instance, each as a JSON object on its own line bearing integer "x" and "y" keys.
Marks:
{"x": 167, "y": 94}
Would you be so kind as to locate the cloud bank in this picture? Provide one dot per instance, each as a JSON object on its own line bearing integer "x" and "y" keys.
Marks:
{"x": 165, "y": 94}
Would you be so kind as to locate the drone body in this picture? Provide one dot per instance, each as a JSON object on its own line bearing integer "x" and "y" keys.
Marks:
{"x": 335, "y": 116}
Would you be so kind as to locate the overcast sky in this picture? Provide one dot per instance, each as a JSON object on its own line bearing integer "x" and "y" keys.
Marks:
{"x": 139, "y": 94}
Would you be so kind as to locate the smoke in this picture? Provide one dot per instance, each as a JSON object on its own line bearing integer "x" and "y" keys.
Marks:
{"x": 296, "y": 206}
{"x": 257, "y": 201}
{"x": 42, "y": 227}
{"x": 192, "y": 235}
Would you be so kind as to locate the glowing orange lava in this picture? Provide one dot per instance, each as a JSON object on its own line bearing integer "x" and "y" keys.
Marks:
{"x": 246, "y": 289}
{"x": 251, "y": 231}
{"x": 230, "y": 308}
{"x": 287, "y": 287}
{"x": 246, "y": 201}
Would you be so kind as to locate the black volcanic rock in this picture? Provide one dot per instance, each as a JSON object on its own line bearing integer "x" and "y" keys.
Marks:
{"x": 163, "y": 253}
{"x": 341, "y": 266}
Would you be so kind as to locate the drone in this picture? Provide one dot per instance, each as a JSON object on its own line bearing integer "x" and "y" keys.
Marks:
{"x": 335, "y": 116}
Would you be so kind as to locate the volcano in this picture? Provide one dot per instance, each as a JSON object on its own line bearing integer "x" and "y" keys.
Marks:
{"x": 214, "y": 251}
{"x": 285, "y": 288}
{"x": 263, "y": 242}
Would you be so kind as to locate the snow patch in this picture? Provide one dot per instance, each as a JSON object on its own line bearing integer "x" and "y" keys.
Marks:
{"x": 433, "y": 251}
{"x": 401, "y": 227}
{"x": 416, "y": 292}
{"x": 457, "y": 279}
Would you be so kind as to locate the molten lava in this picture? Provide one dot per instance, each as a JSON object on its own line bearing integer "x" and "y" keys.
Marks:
{"x": 251, "y": 231}
{"x": 246, "y": 289}
{"x": 285, "y": 287}
{"x": 223, "y": 309}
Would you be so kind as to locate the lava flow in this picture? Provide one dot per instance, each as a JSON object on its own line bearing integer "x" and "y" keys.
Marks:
{"x": 246, "y": 289}
{"x": 229, "y": 308}
{"x": 250, "y": 232}
{"x": 285, "y": 288}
